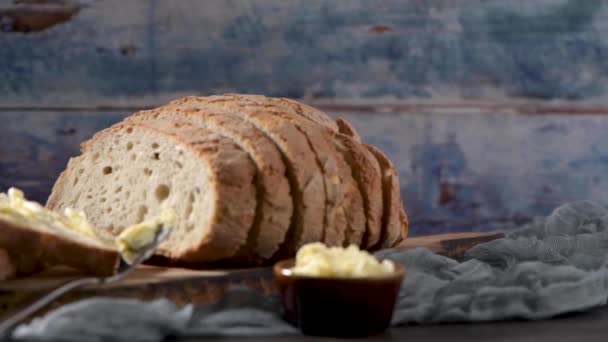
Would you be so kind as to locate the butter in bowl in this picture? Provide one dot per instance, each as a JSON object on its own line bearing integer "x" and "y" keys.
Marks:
{"x": 339, "y": 292}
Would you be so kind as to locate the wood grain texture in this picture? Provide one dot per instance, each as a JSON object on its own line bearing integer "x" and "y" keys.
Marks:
{"x": 453, "y": 245}
{"x": 147, "y": 283}
{"x": 133, "y": 53}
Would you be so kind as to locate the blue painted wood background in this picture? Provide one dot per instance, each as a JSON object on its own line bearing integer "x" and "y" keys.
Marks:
{"x": 136, "y": 52}
{"x": 493, "y": 111}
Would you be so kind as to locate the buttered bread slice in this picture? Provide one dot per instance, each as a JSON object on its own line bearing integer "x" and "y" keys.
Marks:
{"x": 133, "y": 171}
{"x": 33, "y": 238}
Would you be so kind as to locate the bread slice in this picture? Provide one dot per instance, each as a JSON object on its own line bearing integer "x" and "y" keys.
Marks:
{"x": 29, "y": 247}
{"x": 274, "y": 203}
{"x": 354, "y": 209}
{"x": 367, "y": 173}
{"x": 394, "y": 221}
{"x": 132, "y": 171}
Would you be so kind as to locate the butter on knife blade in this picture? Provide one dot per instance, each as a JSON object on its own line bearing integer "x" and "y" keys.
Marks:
{"x": 136, "y": 238}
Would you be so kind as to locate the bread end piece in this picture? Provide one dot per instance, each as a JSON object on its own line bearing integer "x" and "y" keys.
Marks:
{"x": 31, "y": 250}
{"x": 394, "y": 220}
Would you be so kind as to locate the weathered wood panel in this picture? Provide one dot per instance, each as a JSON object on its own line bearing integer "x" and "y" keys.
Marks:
{"x": 141, "y": 52}
{"x": 467, "y": 171}
{"x": 490, "y": 170}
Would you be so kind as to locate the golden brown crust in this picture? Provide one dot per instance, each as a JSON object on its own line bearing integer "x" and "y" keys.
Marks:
{"x": 347, "y": 128}
{"x": 368, "y": 175}
{"x": 57, "y": 189}
{"x": 310, "y": 113}
{"x": 395, "y": 224}
{"x": 30, "y": 250}
{"x": 403, "y": 219}
{"x": 355, "y": 216}
{"x": 274, "y": 205}
{"x": 295, "y": 107}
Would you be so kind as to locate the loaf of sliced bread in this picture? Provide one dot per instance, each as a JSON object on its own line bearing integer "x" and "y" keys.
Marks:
{"x": 274, "y": 203}
{"x": 309, "y": 112}
{"x": 252, "y": 179}
{"x": 132, "y": 171}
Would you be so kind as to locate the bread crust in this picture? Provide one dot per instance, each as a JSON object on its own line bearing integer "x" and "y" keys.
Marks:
{"x": 367, "y": 173}
{"x": 274, "y": 208}
{"x": 345, "y": 209}
{"x": 296, "y": 107}
{"x": 394, "y": 223}
{"x": 31, "y": 249}
{"x": 310, "y": 113}
{"x": 347, "y": 128}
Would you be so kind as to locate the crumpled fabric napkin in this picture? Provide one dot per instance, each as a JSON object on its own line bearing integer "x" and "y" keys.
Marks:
{"x": 551, "y": 266}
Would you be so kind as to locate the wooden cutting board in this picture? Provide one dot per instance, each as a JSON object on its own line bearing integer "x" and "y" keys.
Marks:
{"x": 184, "y": 286}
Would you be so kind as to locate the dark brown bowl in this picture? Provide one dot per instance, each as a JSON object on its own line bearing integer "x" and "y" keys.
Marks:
{"x": 338, "y": 307}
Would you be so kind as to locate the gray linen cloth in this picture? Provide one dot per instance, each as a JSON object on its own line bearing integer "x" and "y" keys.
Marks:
{"x": 551, "y": 266}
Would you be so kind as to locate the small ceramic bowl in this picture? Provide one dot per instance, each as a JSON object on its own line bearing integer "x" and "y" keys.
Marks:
{"x": 338, "y": 307}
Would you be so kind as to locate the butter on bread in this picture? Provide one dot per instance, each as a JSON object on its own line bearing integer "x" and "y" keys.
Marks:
{"x": 133, "y": 240}
{"x": 33, "y": 238}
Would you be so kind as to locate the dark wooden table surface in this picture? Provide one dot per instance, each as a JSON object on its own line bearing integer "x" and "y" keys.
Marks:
{"x": 588, "y": 326}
